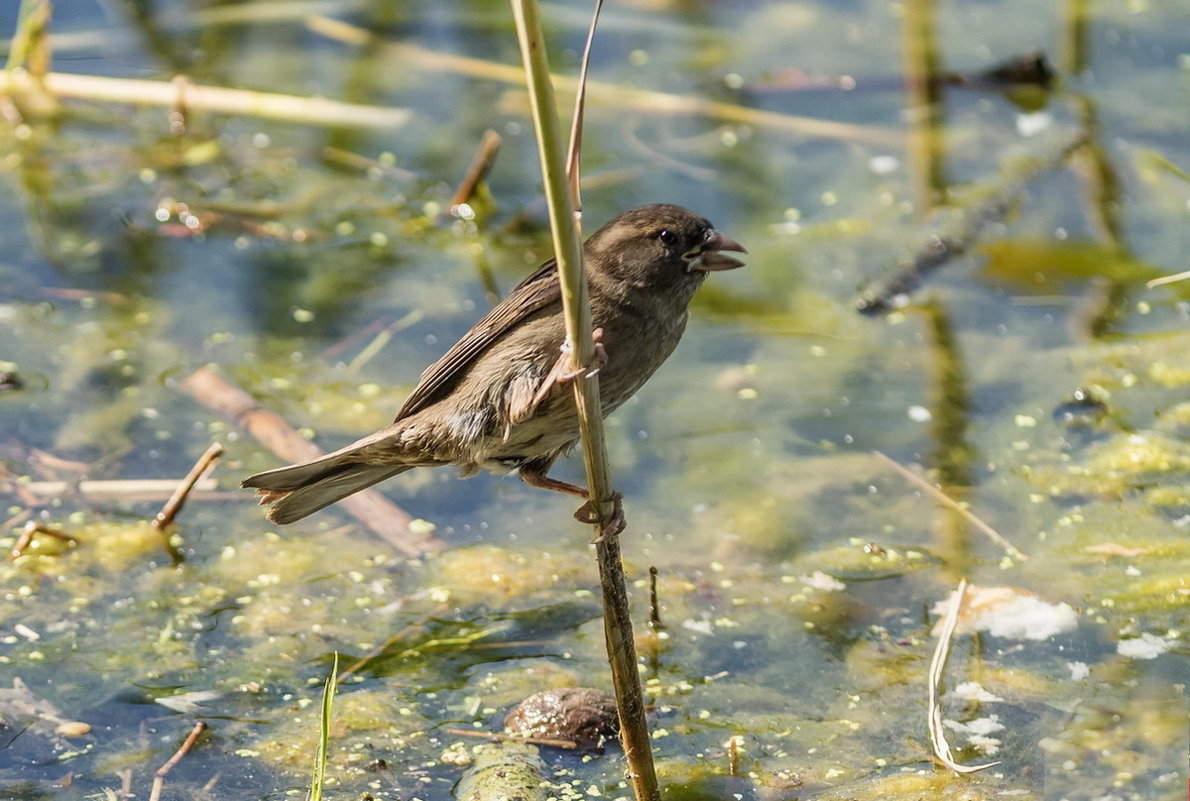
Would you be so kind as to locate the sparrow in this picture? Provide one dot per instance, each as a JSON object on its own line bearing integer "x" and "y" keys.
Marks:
{"x": 497, "y": 399}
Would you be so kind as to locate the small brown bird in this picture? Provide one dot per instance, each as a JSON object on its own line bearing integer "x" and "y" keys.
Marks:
{"x": 496, "y": 400}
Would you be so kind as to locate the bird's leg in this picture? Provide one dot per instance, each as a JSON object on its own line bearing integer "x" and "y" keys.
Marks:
{"x": 561, "y": 372}
{"x": 534, "y": 475}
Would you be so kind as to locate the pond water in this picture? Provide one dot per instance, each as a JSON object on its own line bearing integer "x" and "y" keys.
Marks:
{"x": 1034, "y": 376}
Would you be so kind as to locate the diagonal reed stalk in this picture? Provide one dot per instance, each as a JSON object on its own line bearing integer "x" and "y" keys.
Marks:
{"x": 565, "y": 228}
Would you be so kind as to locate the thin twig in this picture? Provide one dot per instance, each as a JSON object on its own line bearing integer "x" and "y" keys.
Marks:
{"x": 333, "y": 352}
{"x": 204, "y": 465}
{"x": 937, "y": 668}
{"x": 131, "y": 489}
{"x": 33, "y": 527}
{"x": 382, "y": 338}
{"x": 382, "y": 516}
{"x": 497, "y": 737}
{"x": 574, "y": 150}
{"x": 485, "y": 156}
{"x": 379, "y": 650}
{"x": 950, "y": 503}
{"x": 1168, "y": 279}
{"x": 657, "y": 158}
{"x": 16, "y": 519}
{"x": 652, "y": 644}
{"x": 894, "y": 290}
{"x": 654, "y": 605}
{"x": 355, "y": 161}
{"x": 125, "y": 791}
{"x": 163, "y": 771}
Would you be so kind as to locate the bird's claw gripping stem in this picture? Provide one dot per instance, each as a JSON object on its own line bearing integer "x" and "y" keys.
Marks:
{"x": 612, "y": 526}
{"x": 589, "y": 370}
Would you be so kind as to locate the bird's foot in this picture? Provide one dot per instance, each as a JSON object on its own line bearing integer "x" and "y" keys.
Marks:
{"x": 597, "y": 363}
{"x": 612, "y": 526}
{"x": 561, "y": 374}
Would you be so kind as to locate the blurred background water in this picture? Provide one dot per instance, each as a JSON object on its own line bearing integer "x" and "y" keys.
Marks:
{"x": 1034, "y": 376}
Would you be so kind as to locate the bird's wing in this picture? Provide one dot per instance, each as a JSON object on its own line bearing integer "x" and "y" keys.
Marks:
{"x": 535, "y": 292}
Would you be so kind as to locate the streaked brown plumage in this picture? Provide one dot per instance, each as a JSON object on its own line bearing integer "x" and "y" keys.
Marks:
{"x": 495, "y": 400}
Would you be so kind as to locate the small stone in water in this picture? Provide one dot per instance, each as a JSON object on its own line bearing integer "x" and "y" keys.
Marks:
{"x": 584, "y": 716}
{"x": 73, "y": 728}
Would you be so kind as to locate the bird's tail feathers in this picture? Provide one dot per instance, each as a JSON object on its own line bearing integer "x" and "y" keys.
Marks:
{"x": 299, "y": 490}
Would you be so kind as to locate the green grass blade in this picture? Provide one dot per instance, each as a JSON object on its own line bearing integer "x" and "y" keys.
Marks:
{"x": 324, "y": 732}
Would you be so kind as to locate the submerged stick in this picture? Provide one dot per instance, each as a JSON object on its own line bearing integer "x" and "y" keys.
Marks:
{"x": 381, "y": 339}
{"x": 951, "y": 503}
{"x": 369, "y": 507}
{"x": 480, "y": 165}
{"x": 163, "y": 771}
{"x": 379, "y": 650}
{"x": 33, "y": 527}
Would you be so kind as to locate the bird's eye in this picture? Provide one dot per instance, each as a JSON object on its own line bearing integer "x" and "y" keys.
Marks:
{"x": 667, "y": 236}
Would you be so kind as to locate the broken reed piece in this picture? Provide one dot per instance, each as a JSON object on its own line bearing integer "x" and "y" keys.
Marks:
{"x": 20, "y": 517}
{"x": 133, "y": 490}
{"x": 56, "y": 86}
{"x": 654, "y": 604}
{"x": 1168, "y": 279}
{"x": 385, "y": 519}
{"x": 165, "y": 518}
{"x": 163, "y": 771}
{"x": 497, "y": 737}
{"x": 489, "y": 146}
{"x": 950, "y": 503}
{"x": 649, "y": 643}
{"x": 33, "y": 527}
{"x": 380, "y": 650}
{"x": 606, "y": 94}
{"x": 179, "y": 115}
{"x": 204, "y": 465}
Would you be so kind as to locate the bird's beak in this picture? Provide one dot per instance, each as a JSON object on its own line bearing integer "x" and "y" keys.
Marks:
{"x": 709, "y": 256}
